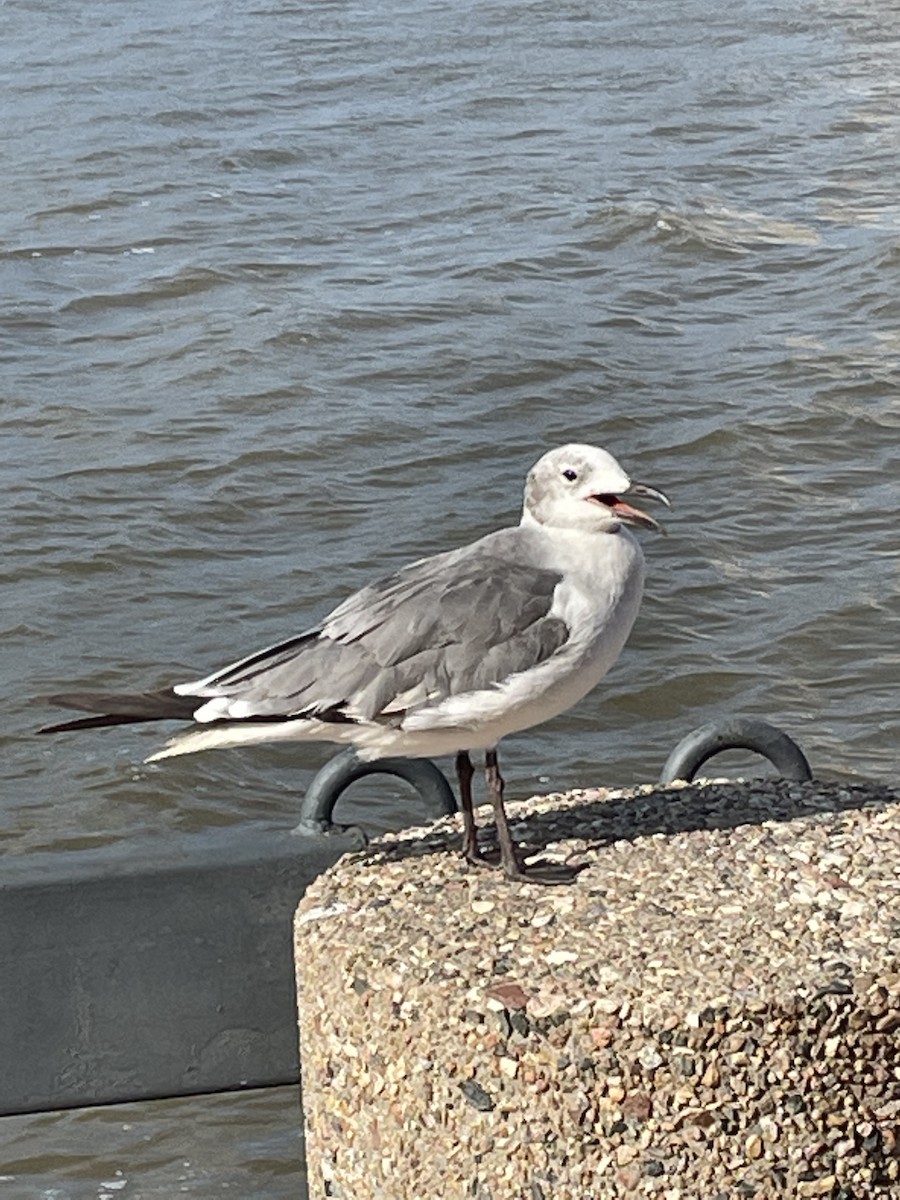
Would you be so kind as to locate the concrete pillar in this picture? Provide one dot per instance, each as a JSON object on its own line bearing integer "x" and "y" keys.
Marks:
{"x": 710, "y": 1010}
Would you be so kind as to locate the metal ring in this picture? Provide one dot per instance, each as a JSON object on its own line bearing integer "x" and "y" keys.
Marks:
{"x": 336, "y": 776}
{"x": 739, "y": 734}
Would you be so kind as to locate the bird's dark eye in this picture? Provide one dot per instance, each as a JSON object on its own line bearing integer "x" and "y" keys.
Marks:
{"x": 570, "y": 474}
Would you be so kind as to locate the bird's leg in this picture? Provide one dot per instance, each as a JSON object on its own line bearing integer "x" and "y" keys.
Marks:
{"x": 510, "y": 860}
{"x": 464, "y": 773}
{"x": 509, "y": 855}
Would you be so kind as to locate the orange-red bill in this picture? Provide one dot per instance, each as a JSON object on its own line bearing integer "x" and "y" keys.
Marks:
{"x": 627, "y": 512}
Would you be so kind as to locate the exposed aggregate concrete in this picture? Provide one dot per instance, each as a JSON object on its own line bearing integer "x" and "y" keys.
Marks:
{"x": 710, "y": 1010}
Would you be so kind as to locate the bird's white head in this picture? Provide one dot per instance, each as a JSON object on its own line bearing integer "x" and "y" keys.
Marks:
{"x": 582, "y": 487}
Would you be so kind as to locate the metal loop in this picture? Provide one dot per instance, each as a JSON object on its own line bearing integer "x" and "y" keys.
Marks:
{"x": 336, "y": 776}
{"x": 739, "y": 734}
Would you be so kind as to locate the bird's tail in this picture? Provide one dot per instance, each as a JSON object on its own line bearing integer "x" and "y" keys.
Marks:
{"x": 121, "y": 708}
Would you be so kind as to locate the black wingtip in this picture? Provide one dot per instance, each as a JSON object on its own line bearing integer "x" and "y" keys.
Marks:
{"x": 92, "y": 723}
{"x": 120, "y": 709}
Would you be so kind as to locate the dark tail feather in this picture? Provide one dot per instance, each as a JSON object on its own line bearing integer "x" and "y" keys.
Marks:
{"x": 122, "y": 708}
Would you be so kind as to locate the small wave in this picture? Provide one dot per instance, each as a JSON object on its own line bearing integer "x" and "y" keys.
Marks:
{"x": 716, "y": 226}
{"x": 190, "y": 282}
{"x": 735, "y": 231}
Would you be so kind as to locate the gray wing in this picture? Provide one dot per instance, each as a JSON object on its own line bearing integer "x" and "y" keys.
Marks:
{"x": 442, "y": 626}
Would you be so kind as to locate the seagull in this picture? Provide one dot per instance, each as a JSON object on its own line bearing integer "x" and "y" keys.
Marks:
{"x": 446, "y": 656}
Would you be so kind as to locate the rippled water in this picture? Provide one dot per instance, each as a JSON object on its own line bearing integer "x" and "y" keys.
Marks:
{"x": 292, "y": 293}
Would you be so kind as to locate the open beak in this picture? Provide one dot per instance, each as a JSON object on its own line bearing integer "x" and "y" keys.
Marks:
{"x": 627, "y": 513}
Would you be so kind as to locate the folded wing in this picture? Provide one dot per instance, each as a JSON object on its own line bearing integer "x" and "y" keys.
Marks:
{"x": 440, "y": 627}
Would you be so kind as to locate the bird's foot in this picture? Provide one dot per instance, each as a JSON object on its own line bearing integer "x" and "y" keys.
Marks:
{"x": 548, "y": 874}
{"x": 478, "y": 857}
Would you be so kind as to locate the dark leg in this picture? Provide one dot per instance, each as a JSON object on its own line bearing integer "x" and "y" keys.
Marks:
{"x": 464, "y": 773}
{"x": 509, "y": 855}
{"x": 510, "y": 859}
